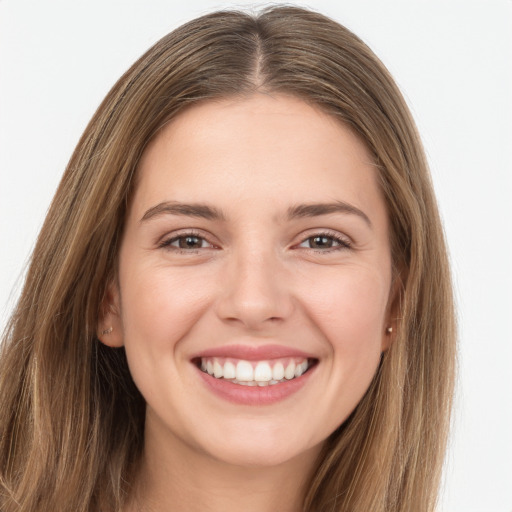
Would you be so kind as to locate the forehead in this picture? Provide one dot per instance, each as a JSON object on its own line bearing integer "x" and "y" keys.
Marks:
{"x": 272, "y": 148}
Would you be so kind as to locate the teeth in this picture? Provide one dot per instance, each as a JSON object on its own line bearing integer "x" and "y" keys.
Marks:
{"x": 218, "y": 371}
{"x": 244, "y": 371}
{"x": 289, "y": 373}
{"x": 229, "y": 370}
{"x": 251, "y": 383}
{"x": 278, "y": 372}
{"x": 301, "y": 368}
{"x": 261, "y": 373}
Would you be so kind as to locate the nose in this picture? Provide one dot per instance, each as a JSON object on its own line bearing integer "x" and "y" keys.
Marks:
{"x": 256, "y": 291}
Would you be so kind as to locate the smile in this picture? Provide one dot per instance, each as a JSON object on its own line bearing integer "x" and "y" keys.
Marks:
{"x": 255, "y": 373}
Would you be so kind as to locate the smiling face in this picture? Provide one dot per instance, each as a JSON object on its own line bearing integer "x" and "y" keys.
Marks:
{"x": 254, "y": 279}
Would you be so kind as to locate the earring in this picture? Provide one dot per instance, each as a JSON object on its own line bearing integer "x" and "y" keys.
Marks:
{"x": 107, "y": 331}
{"x": 389, "y": 330}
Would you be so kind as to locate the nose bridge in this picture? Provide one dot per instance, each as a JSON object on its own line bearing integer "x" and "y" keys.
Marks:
{"x": 256, "y": 288}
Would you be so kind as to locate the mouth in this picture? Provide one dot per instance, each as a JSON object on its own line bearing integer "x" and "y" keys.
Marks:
{"x": 255, "y": 375}
{"x": 260, "y": 373}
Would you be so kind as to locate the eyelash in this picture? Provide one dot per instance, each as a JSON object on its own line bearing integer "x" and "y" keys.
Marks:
{"x": 166, "y": 244}
{"x": 343, "y": 243}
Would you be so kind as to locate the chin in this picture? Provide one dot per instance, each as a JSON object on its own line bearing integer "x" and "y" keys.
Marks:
{"x": 260, "y": 448}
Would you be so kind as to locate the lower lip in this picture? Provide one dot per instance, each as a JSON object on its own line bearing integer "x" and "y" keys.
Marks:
{"x": 255, "y": 395}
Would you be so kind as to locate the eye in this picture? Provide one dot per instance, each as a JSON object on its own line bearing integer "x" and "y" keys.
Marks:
{"x": 325, "y": 242}
{"x": 187, "y": 242}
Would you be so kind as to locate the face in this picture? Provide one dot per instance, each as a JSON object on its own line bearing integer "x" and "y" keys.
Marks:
{"x": 254, "y": 279}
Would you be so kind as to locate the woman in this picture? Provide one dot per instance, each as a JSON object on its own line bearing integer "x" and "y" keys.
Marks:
{"x": 240, "y": 294}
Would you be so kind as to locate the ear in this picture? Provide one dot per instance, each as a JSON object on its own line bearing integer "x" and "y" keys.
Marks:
{"x": 110, "y": 327}
{"x": 392, "y": 319}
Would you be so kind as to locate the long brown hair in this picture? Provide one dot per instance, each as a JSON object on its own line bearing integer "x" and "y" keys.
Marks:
{"x": 71, "y": 419}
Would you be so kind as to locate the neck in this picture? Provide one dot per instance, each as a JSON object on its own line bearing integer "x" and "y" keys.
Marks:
{"x": 175, "y": 477}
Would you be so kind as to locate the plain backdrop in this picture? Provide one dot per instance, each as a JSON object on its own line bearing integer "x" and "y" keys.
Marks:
{"x": 453, "y": 61}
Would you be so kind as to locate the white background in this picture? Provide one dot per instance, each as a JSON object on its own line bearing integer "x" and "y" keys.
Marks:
{"x": 453, "y": 61}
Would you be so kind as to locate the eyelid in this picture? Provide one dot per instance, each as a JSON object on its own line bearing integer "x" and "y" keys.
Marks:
{"x": 166, "y": 241}
{"x": 344, "y": 242}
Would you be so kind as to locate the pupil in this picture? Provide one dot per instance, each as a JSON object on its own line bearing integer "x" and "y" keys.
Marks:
{"x": 190, "y": 242}
{"x": 321, "y": 241}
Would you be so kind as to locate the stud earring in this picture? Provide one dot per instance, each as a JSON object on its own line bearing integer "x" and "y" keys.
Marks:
{"x": 107, "y": 331}
{"x": 389, "y": 330}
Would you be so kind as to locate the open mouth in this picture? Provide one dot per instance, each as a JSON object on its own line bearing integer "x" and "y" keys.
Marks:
{"x": 255, "y": 373}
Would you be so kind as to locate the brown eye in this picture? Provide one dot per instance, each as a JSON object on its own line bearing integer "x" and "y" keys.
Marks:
{"x": 190, "y": 242}
{"x": 184, "y": 242}
{"x": 325, "y": 242}
{"x": 321, "y": 242}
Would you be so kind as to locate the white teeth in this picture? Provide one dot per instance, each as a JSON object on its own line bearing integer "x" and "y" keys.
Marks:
{"x": 263, "y": 372}
{"x": 278, "y": 372}
{"x": 217, "y": 369}
{"x": 301, "y": 368}
{"x": 244, "y": 371}
{"x": 251, "y": 383}
{"x": 229, "y": 370}
{"x": 289, "y": 373}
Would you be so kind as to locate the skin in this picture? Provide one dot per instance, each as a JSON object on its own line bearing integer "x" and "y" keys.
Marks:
{"x": 255, "y": 277}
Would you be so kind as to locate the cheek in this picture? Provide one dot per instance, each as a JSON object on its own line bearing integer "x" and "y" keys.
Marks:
{"x": 160, "y": 306}
{"x": 349, "y": 308}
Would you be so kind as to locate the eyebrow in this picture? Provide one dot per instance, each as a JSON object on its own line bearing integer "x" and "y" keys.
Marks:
{"x": 318, "y": 209}
{"x": 200, "y": 210}
{"x": 208, "y": 212}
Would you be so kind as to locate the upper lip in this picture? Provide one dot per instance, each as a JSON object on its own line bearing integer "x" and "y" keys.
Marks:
{"x": 254, "y": 353}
